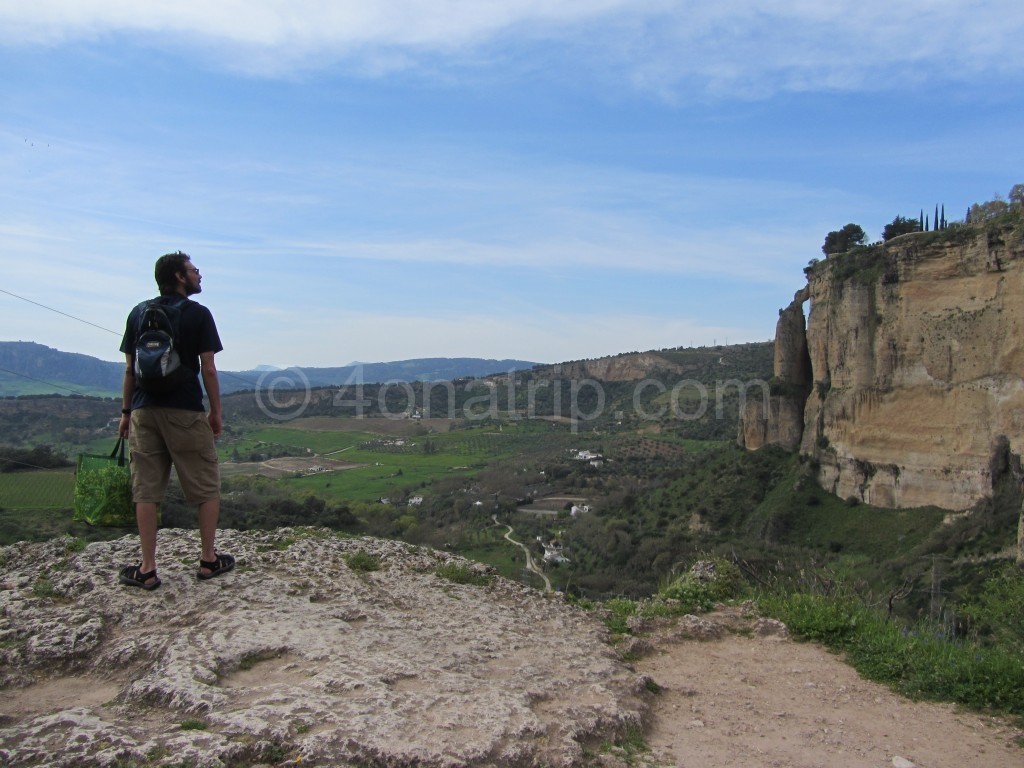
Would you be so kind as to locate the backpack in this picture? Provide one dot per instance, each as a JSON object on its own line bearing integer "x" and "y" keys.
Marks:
{"x": 159, "y": 368}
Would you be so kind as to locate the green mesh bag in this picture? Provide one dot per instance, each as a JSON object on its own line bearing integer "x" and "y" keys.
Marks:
{"x": 103, "y": 489}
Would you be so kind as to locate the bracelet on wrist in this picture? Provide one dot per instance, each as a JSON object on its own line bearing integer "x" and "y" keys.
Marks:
{"x": 126, "y": 411}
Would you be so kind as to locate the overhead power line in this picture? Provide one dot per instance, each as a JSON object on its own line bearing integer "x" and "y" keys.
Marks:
{"x": 59, "y": 312}
{"x": 108, "y": 330}
{"x": 42, "y": 381}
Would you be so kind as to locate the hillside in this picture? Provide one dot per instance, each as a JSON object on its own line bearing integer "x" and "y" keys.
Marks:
{"x": 531, "y": 392}
{"x": 27, "y": 368}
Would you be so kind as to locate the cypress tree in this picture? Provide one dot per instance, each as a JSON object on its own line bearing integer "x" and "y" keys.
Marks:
{"x": 943, "y": 215}
{"x": 936, "y": 219}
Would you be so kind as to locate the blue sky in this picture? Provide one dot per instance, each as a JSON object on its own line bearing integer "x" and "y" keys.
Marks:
{"x": 541, "y": 179}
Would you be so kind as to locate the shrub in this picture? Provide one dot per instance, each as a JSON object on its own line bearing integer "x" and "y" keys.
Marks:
{"x": 710, "y": 581}
{"x": 729, "y": 582}
{"x": 43, "y": 587}
{"x": 619, "y": 610}
{"x": 831, "y": 620}
{"x": 459, "y": 573}
{"x": 997, "y": 616}
{"x": 692, "y": 596}
{"x": 361, "y": 560}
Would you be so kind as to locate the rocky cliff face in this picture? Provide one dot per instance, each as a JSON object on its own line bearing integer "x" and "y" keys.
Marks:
{"x": 915, "y": 353}
{"x": 629, "y": 367}
{"x": 782, "y": 423}
{"x": 296, "y": 658}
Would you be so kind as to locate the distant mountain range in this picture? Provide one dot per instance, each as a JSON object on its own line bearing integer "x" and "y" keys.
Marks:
{"x": 27, "y": 368}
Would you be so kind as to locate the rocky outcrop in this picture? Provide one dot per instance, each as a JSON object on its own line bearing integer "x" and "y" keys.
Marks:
{"x": 296, "y": 657}
{"x": 916, "y": 354}
{"x": 778, "y": 419}
{"x": 628, "y": 367}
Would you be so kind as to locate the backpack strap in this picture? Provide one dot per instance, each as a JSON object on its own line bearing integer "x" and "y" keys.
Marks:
{"x": 172, "y": 300}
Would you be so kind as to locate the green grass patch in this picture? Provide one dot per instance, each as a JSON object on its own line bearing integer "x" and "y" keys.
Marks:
{"x": 362, "y": 561}
{"x": 629, "y": 746}
{"x": 690, "y": 593}
{"x": 388, "y": 464}
{"x": 459, "y": 573}
{"x": 320, "y": 442}
{"x": 996, "y": 616}
{"x": 499, "y": 554}
{"x": 379, "y": 478}
{"x": 12, "y": 385}
{"x": 43, "y": 588}
{"x": 37, "y": 489}
{"x": 280, "y": 545}
{"x": 677, "y": 595}
{"x": 618, "y": 612}
{"x": 796, "y": 512}
{"x": 919, "y": 660}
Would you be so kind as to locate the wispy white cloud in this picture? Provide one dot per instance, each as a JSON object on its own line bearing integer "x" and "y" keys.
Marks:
{"x": 300, "y": 27}
{"x": 673, "y": 49}
{"x": 443, "y": 208}
{"x": 337, "y": 218}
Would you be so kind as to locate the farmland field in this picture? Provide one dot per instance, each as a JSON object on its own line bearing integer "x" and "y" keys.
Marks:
{"x": 35, "y": 506}
{"x": 346, "y": 461}
{"x": 42, "y": 489}
{"x": 338, "y": 459}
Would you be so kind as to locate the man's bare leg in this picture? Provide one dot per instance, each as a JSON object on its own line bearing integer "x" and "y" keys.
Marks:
{"x": 209, "y": 512}
{"x": 145, "y": 517}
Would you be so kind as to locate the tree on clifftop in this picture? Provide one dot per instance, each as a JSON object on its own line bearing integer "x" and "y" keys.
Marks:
{"x": 981, "y": 212}
{"x": 844, "y": 239}
{"x": 900, "y": 226}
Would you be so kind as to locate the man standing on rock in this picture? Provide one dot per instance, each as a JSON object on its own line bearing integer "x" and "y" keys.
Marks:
{"x": 163, "y": 416}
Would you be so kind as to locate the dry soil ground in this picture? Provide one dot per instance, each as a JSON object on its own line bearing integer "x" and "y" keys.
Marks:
{"x": 748, "y": 700}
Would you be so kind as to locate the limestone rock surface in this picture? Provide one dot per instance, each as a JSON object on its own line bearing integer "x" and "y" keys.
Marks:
{"x": 779, "y": 418}
{"x": 295, "y": 658}
{"x": 917, "y": 360}
{"x": 909, "y": 373}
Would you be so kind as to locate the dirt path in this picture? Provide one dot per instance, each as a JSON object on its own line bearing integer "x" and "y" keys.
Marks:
{"x": 531, "y": 564}
{"x": 748, "y": 700}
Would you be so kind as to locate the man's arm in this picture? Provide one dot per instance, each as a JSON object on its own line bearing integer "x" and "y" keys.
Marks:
{"x": 127, "y": 389}
{"x": 209, "y": 371}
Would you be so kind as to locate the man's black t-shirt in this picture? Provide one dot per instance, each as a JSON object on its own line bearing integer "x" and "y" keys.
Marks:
{"x": 198, "y": 334}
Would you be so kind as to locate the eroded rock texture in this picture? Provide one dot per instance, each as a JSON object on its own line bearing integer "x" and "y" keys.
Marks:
{"x": 295, "y": 655}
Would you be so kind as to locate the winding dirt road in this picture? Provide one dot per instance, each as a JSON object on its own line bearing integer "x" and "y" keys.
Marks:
{"x": 531, "y": 564}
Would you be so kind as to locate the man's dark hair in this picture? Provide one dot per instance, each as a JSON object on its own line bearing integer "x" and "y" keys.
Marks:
{"x": 168, "y": 267}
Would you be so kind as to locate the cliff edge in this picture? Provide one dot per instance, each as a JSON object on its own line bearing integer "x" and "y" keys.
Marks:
{"x": 296, "y": 657}
{"x": 910, "y": 391}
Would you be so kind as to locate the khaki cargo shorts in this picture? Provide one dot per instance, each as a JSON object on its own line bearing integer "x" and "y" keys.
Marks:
{"x": 160, "y": 437}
